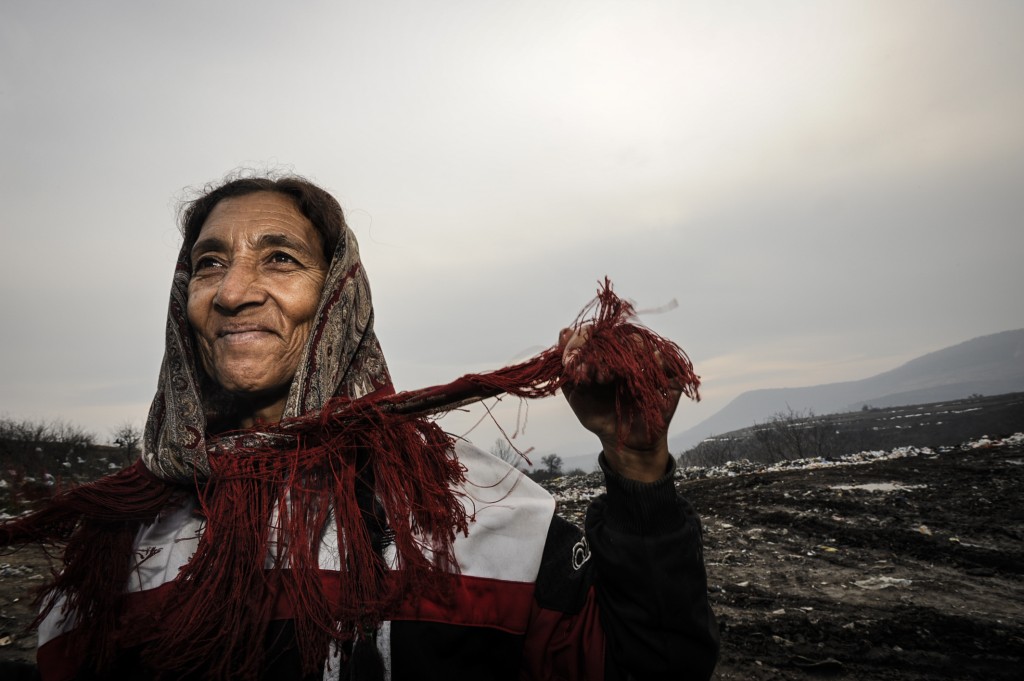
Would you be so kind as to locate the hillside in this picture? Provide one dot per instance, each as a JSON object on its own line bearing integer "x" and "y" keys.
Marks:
{"x": 833, "y": 435}
{"x": 989, "y": 365}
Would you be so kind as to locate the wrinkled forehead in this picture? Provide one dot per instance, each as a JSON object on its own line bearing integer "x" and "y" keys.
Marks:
{"x": 258, "y": 219}
{"x": 263, "y": 211}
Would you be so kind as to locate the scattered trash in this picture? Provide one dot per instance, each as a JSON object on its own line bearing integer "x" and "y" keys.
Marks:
{"x": 878, "y": 487}
{"x": 8, "y": 570}
{"x": 923, "y": 529}
{"x": 876, "y": 583}
{"x": 734, "y": 468}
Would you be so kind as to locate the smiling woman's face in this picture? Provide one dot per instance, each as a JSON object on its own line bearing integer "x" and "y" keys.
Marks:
{"x": 257, "y": 271}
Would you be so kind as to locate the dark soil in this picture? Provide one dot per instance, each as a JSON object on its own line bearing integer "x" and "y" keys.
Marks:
{"x": 921, "y": 579}
{"x": 795, "y": 566}
{"x": 21, "y": 573}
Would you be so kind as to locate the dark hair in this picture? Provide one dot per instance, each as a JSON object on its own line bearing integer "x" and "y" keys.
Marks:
{"x": 319, "y": 207}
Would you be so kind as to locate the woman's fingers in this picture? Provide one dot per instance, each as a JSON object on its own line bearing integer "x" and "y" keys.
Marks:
{"x": 572, "y": 342}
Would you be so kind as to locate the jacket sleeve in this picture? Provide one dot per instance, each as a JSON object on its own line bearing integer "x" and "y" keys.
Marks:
{"x": 650, "y": 581}
{"x": 629, "y": 598}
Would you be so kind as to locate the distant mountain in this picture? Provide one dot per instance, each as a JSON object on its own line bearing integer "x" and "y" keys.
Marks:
{"x": 989, "y": 365}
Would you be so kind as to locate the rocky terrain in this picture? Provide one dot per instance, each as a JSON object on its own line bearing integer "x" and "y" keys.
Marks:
{"x": 901, "y": 564}
{"x": 905, "y": 564}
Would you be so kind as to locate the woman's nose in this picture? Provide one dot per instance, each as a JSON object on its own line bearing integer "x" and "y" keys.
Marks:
{"x": 239, "y": 287}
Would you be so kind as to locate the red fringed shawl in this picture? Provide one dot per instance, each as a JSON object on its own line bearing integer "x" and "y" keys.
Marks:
{"x": 267, "y": 496}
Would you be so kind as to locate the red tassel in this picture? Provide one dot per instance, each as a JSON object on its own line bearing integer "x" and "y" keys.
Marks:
{"x": 643, "y": 366}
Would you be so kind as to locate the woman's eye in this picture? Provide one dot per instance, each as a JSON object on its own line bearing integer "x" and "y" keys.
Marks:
{"x": 283, "y": 258}
{"x": 205, "y": 262}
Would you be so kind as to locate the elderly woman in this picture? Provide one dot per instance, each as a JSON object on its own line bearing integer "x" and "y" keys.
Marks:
{"x": 258, "y": 538}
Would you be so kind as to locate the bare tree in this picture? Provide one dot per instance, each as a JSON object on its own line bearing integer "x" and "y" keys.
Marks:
{"x": 711, "y": 451}
{"x": 48, "y": 432}
{"x": 552, "y": 464}
{"x": 70, "y": 434}
{"x": 128, "y": 436}
{"x": 504, "y": 450}
{"x": 796, "y": 435}
{"x": 35, "y": 447}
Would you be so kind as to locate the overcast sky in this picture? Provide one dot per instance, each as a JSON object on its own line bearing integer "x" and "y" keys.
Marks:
{"x": 826, "y": 189}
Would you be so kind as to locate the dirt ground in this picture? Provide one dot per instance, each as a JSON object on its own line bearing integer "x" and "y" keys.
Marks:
{"x": 20, "y": 574}
{"x": 914, "y": 571}
{"x": 908, "y": 568}
{"x": 905, "y": 568}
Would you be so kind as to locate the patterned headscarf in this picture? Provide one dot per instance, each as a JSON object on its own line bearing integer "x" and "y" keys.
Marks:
{"x": 342, "y": 358}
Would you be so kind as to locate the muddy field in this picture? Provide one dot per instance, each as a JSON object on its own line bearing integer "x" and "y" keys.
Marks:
{"x": 905, "y": 568}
